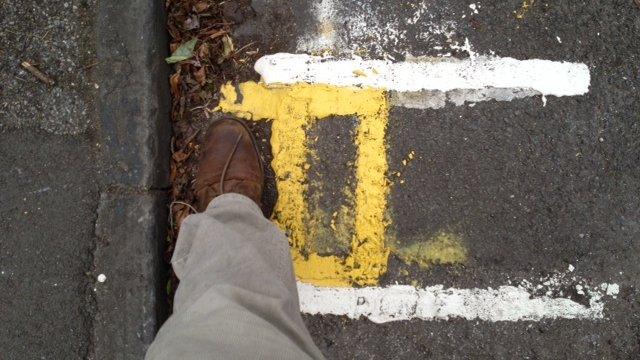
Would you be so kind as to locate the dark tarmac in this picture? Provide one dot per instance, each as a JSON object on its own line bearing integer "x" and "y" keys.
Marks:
{"x": 48, "y": 179}
{"x": 532, "y": 190}
{"x": 82, "y": 179}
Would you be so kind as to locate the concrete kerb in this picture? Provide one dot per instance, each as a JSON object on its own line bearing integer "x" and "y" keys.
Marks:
{"x": 134, "y": 135}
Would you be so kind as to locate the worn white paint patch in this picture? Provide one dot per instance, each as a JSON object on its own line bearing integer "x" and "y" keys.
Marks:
{"x": 430, "y": 99}
{"x": 424, "y": 99}
{"x": 466, "y": 47}
{"x": 611, "y": 289}
{"x": 403, "y": 302}
{"x": 463, "y": 96}
{"x": 326, "y": 36}
{"x": 543, "y": 76}
{"x": 368, "y": 27}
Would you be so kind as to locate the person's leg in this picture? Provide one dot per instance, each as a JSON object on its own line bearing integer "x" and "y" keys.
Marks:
{"x": 237, "y": 297}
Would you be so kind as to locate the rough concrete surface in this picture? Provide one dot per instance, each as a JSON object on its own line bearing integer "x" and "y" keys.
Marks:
{"x": 530, "y": 189}
{"x": 48, "y": 210}
{"x": 127, "y": 318}
{"x": 55, "y": 147}
{"x": 48, "y": 180}
{"x": 133, "y": 85}
{"x": 57, "y": 38}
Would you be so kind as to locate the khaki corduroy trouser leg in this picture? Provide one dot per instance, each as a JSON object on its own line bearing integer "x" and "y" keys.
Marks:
{"x": 237, "y": 297}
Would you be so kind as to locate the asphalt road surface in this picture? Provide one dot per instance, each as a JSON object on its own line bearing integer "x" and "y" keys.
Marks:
{"x": 536, "y": 187}
{"x": 533, "y": 192}
{"x": 48, "y": 179}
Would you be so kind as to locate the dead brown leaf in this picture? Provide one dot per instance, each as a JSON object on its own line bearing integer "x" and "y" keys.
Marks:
{"x": 203, "y": 51}
{"x": 174, "y": 83}
{"x": 201, "y": 6}
{"x": 217, "y": 33}
{"x": 200, "y": 76}
{"x": 227, "y": 48}
{"x": 180, "y": 215}
{"x": 180, "y": 156}
{"x": 194, "y": 87}
{"x": 191, "y": 23}
{"x": 173, "y": 172}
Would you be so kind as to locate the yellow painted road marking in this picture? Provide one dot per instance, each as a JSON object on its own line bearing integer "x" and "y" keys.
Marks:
{"x": 293, "y": 109}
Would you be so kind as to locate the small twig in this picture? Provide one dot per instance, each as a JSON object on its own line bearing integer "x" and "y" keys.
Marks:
{"x": 171, "y": 210}
{"x": 217, "y": 34}
{"x": 37, "y": 73}
{"x": 21, "y": 79}
{"x": 222, "y": 24}
{"x": 200, "y": 107}
{"x": 185, "y": 204}
{"x": 91, "y": 65}
{"x": 242, "y": 48}
{"x": 190, "y": 138}
{"x": 45, "y": 34}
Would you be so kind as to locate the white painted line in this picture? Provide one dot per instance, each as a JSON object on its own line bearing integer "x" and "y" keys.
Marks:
{"x": 481, "y": 72}
{"x": 403, "y": 302}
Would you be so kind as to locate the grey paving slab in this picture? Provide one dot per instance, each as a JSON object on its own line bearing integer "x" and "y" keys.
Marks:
{"x": 133, "y": 99}
{"x": 130, "y": 273}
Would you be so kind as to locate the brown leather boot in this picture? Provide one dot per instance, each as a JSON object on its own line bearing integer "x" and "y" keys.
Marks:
{"x": 229, "y": 163}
